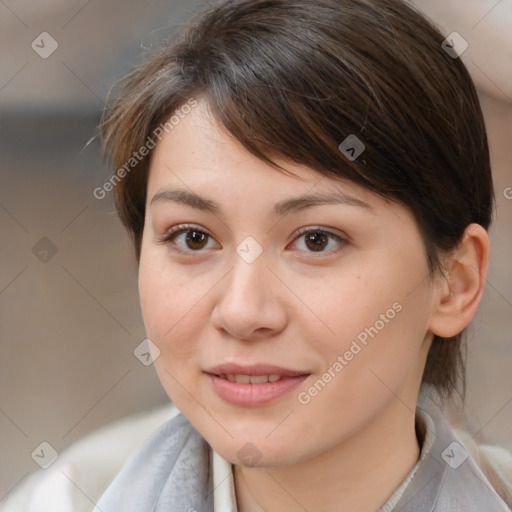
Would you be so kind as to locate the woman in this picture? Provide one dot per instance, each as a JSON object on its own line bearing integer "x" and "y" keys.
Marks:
{"x": 308, "y": 189}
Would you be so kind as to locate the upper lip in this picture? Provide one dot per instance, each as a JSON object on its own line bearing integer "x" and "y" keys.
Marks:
{"x": 254, "y": 369}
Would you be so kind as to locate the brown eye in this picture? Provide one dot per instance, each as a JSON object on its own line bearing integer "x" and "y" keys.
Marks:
{"x": 316, "y": 241}
{"x": 186, "y": 239}
{"x": 196, "y": 239}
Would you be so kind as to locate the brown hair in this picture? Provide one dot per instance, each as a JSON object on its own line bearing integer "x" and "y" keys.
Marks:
{"x": 292, "y": 79}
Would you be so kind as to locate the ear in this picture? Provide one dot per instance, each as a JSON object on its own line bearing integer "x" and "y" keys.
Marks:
{"x": 459, "y": 291}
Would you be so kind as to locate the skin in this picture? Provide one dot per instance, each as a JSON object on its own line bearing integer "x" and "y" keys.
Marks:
{"x": 354, "y": 442}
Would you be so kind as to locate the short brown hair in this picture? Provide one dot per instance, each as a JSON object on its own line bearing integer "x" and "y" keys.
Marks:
{"x": 291, "y": 79}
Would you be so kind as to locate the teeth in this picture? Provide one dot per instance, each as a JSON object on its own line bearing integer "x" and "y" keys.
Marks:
{"x": 253, "y": 379}
{"x": 258, "y": 379}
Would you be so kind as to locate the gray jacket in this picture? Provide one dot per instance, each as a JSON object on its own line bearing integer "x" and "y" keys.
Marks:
{"x": 172, "y": 472}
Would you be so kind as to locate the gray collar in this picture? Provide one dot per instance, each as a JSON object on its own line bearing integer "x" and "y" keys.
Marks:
{"x": 447, "y": 477}
{"x": 173, "y": 472}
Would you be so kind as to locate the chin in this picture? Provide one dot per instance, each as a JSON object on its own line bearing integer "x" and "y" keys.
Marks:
{"x": 257, "y": 451}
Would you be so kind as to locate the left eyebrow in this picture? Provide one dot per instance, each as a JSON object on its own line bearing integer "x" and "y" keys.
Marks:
{"x": 284, "y": 207}
{"x": 336, "y": 197}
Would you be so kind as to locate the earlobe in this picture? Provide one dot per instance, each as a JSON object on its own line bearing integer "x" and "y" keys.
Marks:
{"x": 459, "y": 292}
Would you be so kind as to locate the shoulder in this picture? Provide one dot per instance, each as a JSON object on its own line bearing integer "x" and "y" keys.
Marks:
{"x": 84, "y": 470}
{"x": 172, "y": 470}
{"x": 494, "y": 461}
{"x": 449, "y": 477}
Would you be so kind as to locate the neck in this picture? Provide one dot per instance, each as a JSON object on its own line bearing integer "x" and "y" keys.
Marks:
{"x": 360, "y": 473}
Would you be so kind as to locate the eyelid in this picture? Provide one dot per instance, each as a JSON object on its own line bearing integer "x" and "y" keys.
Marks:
{"x": 183, "y": 227}
{"x": 321, "y": 229}
{"x": 341, "y": 237}
{"x": 177, "y": 230}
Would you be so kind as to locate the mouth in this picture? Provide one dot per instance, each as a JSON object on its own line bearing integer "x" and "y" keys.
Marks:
{"x": 252, "y": 379}
{"x": 253, "y": 385}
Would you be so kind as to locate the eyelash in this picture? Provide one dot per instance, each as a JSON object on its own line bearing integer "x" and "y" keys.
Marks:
{"x": 167, "y": 238}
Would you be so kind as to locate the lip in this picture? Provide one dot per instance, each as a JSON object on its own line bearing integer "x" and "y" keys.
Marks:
{"x": 251, "y": 395}
{"x": 254, "y": 369}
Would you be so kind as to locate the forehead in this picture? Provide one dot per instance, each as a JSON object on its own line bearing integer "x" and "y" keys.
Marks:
{"x": 200, "y": 158}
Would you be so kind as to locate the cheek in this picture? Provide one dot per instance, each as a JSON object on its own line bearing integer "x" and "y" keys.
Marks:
{"x": 167, "y": 303}
{"x": 376, "y": 317}
{"x": 348, "y": 303}
{"x": 170, "y": 312}
{"x": 368, "y": 361}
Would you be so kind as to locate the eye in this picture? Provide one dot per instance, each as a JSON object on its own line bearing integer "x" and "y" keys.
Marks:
{"x": 185, "y": 238}
{"x": 319, "y": 240}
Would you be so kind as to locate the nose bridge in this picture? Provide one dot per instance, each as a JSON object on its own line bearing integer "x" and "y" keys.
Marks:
{"x": 249, "y": 302}
{"x": 248, "y": 275}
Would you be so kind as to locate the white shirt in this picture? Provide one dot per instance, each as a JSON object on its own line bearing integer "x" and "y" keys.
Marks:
{"x": 224, "y": 497}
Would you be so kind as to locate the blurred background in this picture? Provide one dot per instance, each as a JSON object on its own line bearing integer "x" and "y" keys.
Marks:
{"x": 69, "y": 310}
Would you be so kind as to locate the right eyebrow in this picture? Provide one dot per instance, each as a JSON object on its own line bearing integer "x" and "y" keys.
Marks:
{"x": 187, "y": 198}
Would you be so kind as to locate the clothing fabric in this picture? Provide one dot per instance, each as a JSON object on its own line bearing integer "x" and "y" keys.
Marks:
{"x": 84, "y": 470}
{"x": 176, "y": 470}
{"x": 223, "y": 482}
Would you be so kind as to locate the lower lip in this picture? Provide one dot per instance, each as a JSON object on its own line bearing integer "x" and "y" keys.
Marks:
{"x": 254, "y": 394}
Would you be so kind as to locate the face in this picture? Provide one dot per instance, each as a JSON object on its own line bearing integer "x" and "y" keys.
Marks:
{"x": 290, "y": 311}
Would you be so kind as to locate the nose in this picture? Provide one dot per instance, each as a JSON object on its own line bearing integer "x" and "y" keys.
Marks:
{"x": 250, "y": 301}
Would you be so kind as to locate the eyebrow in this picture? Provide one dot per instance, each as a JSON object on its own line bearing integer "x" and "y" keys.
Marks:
{"x": 284, "y": 207}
